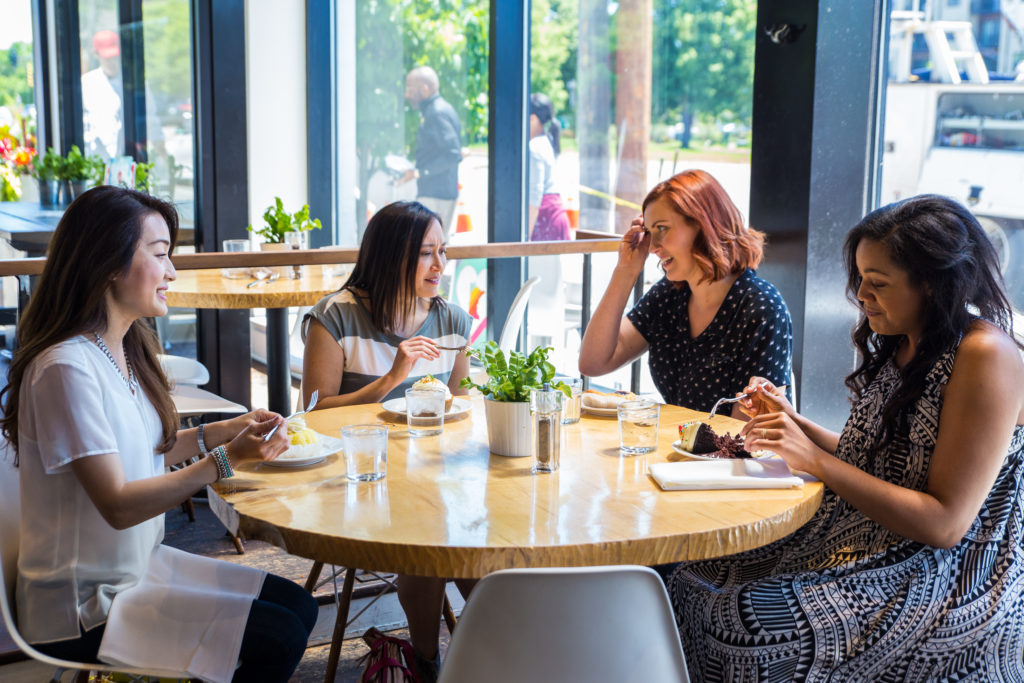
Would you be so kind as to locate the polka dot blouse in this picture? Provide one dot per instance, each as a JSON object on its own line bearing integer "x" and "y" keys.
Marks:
{"x": 751, "y": 334}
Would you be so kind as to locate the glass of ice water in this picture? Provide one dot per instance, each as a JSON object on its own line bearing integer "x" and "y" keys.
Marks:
{"x": 366, "y": 451}
{"x": 638, "y": 426}
{"x": 424, "y": 411}
{"x": 571, "y": 406}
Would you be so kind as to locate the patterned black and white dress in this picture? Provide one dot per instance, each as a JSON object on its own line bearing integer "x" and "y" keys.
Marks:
{"x": 844, "y": 599}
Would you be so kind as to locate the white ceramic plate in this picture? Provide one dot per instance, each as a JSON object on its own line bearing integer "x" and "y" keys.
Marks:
{"x": 755, "y": 455}
{"x": 603, "y": 412}
{"x": 308, "y": 454}
{"x": 460, "y": 406}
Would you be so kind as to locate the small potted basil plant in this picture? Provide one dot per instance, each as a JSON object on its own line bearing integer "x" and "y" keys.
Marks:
{"x": 507, "y": 394}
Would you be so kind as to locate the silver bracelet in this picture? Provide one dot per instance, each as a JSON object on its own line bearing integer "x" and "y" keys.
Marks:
{"x": 199, "y": 438}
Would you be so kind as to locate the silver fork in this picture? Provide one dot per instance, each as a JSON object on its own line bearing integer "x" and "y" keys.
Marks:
{"x": 309, "y": 407}
{"x": 723, "y": 401}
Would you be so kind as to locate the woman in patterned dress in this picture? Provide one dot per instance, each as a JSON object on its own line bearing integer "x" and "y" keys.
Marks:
{"x": 710, "y": 323}
{"x": 912, "y": 569}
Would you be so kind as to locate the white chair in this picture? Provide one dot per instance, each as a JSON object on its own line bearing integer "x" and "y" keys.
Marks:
{"x": 566, "y": 625}
{"x": 182, "y": 370}
{"x": 10, "y": 515}
{"x": 514, "y": 320}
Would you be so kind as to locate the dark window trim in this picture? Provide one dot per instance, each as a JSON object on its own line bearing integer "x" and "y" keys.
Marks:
{"x": 222, "y": 183}
{"x": 69, "y": 75}
{"x": 508, "y": 69}
{"x": 321, "y": 134}
{"x": 808, "y": 190}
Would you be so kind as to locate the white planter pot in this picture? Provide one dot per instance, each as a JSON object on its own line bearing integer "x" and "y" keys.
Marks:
{"x": 509, "y": 428}
{"x": 282, "y": 271}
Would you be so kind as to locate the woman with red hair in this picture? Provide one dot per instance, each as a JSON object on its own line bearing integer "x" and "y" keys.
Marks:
{"x": 710, "y": 324}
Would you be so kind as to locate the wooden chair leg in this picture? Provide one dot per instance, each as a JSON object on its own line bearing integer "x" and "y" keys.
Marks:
{"x": 189, "y": 509}
{"x": 314, "y": 575}
{"x": 340, "y": 621}
{"x": 237, "y": 540}
{"x": 449, "y": 614}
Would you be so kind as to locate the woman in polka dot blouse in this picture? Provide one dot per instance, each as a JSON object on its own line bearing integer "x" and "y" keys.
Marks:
{"x": 710, "y": 324}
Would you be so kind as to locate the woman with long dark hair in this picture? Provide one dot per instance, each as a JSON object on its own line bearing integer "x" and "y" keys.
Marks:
{"x": 912, "y": 569}
{"x": 711, "y": 322}
{"x": 89, "y": 414}
{"x": 375, "y": 337}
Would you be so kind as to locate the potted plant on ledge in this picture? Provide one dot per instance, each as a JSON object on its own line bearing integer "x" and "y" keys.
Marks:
{"x": 47, "y": 171}
{"x": 80, "y": 172}
{"x": 507, "y": 394}
{"x": 282, "y": 231}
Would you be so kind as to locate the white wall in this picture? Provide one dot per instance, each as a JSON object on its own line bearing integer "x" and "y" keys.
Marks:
{"x": 276, "y": 104}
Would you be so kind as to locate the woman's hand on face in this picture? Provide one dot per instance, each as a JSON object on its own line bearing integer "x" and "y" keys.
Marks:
{"x": 764, "y": 397}
{"x": 635, "y": 246}
{"x": 410, "y": 351}
{"x": 778, "y": 432}
{"x": 249, "y": 443}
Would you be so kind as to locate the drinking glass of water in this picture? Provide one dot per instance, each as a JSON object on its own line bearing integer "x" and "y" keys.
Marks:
{"x": 424, "y": 411}
{"x": 366, "y": 451}
{"x": 638, "y": 426}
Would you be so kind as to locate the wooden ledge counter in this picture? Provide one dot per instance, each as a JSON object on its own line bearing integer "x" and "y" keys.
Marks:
{"x": 449, "y": 508}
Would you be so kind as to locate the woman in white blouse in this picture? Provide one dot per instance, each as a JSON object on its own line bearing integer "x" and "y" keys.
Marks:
{"x": 90, "y": 416}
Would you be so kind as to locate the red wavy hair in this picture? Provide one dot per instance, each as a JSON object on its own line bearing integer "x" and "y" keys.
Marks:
{"x": 724, "y": 245}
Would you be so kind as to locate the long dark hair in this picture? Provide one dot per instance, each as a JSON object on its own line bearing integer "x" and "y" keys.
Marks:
{"x": 947, "y": 254}
{"x": 94, "y": 241}
{"x": 385, "y": 268}
{"x": 542, "y": 107}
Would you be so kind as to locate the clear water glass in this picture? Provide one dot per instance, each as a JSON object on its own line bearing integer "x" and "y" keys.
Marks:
{"x": 572, "y": 406}
{"x": 366, "y": 451}
{"x": 424, "y": 411}
{"x": 638, "y": 426}
{"x": 234, "y": 247}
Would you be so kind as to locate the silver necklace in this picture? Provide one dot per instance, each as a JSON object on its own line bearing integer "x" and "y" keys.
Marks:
{"x": 129, "y": 381}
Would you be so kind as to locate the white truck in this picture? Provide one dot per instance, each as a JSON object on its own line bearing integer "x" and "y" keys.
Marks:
{"x": 960, "y": 138}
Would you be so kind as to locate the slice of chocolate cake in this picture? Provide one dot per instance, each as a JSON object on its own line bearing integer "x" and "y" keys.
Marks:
{"x": 730, "y": 446}
{"x": 697, "y": 437}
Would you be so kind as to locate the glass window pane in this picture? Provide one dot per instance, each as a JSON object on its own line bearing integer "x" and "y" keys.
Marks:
{"x": 17, "y": 127}
{"x": 959, "y": 130}
{"x": 640, "y": 91}
{"x": 412, "y": 97}
{"x": 17, "y": 102}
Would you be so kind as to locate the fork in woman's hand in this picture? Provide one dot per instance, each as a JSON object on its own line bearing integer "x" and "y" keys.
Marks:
{"x": 722, "y": 401}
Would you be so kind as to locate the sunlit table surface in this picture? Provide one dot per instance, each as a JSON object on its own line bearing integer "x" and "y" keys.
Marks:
{"x": 449, "y": 508}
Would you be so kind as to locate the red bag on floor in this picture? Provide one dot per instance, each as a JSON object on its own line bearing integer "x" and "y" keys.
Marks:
{"x": 390, "y": 659}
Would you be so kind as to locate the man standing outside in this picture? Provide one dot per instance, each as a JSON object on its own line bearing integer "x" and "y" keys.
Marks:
{"x": 438, "y": 146}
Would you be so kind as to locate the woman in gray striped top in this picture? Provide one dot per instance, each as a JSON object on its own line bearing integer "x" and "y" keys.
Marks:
{"x": 371, "y": 340}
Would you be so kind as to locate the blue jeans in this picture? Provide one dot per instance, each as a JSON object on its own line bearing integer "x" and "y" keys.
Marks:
{"x": 280, "y": 621}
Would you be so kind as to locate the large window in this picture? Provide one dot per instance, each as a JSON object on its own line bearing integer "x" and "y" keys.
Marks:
{"x": 959, "y": 133}
{"x": 17, "y": 101}
{"x": 641, "y": 91}
{"x": 412, "y": 101}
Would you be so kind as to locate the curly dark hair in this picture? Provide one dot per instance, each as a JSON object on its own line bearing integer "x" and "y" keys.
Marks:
{"x": 947, "y": 254}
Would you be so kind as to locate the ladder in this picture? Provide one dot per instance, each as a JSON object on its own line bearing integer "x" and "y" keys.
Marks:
{"x": 951, "y": 45}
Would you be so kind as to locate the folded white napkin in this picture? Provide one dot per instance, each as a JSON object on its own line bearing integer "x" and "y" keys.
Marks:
{"x": 724, "y": 474}
{"x": 187, "y": 614}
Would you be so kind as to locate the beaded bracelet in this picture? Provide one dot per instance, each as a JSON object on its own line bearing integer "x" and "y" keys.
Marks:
{"x": 220, "y": 459}
{"x": 199, "y": 438}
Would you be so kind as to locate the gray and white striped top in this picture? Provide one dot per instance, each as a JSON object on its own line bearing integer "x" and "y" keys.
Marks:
{"x": 370, "y": 353}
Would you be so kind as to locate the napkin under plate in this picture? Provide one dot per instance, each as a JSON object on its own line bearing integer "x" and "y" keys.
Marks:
{"x": 724, "y": 474}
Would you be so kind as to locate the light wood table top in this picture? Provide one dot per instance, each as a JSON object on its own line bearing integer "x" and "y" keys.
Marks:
{"x": 449, "y": 508}
{"x": 210, "y": 289}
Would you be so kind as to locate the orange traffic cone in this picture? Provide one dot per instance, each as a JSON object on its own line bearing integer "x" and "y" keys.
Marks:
{"x": 463, "y": 221}
{"x": 573, "y": 212}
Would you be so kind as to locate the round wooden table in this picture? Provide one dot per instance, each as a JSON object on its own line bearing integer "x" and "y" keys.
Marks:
{"x": 209, "y": 289}
{"x": 448, "y": 508}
